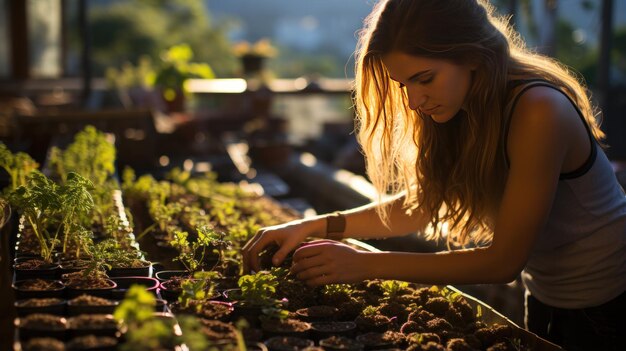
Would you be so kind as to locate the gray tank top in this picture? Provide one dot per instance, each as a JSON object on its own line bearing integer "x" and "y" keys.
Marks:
{"x": 579, "y": 259}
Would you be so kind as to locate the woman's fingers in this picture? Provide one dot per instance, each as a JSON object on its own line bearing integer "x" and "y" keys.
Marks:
{"x": 252, "y": 249}
{"x": 304, "y": 264}
{"x": 327, "y": 262}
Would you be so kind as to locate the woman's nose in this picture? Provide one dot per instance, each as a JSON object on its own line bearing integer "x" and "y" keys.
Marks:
{"x": 416, "y": 100}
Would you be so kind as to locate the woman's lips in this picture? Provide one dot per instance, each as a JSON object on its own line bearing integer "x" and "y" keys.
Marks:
{"x": 429, "y": 111}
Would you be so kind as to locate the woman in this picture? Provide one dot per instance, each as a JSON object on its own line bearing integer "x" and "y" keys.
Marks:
{"x": 488, "y": 146}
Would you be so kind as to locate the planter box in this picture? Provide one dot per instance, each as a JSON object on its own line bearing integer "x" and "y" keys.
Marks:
{"x": 489, "y": 314}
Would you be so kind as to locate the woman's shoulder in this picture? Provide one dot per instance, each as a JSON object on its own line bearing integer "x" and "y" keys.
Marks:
{"x": 546, "y": 117}
{"x": 539, "y": 100}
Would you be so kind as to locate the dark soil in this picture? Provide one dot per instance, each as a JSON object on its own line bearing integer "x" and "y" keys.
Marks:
{"x": 340, "y": 342}
{"x": 78, "y": 280}
{"x": 216, "y": 330}
{"x": 287, "y": 343}
{"x": 74, "y": 264}
{"x": 92, "y": 321}
{"x": 42, "y": 321}
{"x": 287, "y": 325}
{"x": 39, "y": 285}
{"x": 384, "y": 340}
{"x": 88, "y": 300}
{"x": 39, "y": 302}
{"x": 333, "y": 327}
{"x": 204, "y": 309}
{"x": 318, "y": 312}
{"x": 43, "y": 344}
{"x": 33, "y": 264}
{"x": 173, "y": 284}
{"x": 373, "y": 323}
{"x": 89, "y": 342}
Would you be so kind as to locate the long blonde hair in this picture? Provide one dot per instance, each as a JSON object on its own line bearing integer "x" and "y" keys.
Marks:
{"x": 454, "y": 172}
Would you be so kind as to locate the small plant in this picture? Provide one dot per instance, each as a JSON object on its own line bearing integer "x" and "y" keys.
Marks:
{"x": 263, "y": 48}
{"x": 392, "y": 288}
{"x": 18, "y": 166}
{"x": 337, "y": 289}
{"x": 177, "y": 68}
{"x": 91, "y": 154}
{"x": 163, "y": 215}
{"x": 369, "y": 311}
{"x": 111, "y": 253}
{"x": 199, "y": 288}
{"x": 192, "y": 255}
{"x": 38, "y": 201}
{"x": 275, "y": 312}
{"x": 76, "y": 205}
{"x": 118, "y": 229}
{"x": 258, "y": 289}
{"x": 448, "y": 294}
{"x": 144, "y": 331}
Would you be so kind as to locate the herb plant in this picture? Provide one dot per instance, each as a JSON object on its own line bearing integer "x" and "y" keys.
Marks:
{"x": 144, "y": 331}
{"x": 17, "y": 165}
{"x": 192, "y": 255}
{"x": 258, "y": 289}
{"x": 38, "y": 201}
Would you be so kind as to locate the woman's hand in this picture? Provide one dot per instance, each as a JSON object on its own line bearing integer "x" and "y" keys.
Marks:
{"x": 328, "y": 262}
{"x": 287, "y": 236}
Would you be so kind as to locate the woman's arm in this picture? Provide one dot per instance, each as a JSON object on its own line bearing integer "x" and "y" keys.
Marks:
{"x": 364, "y": 223}
{"x": 361, "y": 222}
{"x": 540, "y": 133}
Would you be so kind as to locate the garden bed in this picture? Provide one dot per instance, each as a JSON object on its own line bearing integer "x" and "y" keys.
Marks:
{"x": 198, "y": 226}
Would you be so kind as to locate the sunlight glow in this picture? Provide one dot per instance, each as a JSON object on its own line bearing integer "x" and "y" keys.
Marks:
{"x": 226, "y": 85}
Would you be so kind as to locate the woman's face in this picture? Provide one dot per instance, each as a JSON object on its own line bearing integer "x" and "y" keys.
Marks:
{"x": 438, "y": 88}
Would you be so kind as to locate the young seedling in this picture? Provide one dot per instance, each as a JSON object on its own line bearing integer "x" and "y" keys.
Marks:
{"x": 18, "y": 166}
{"x": 38, "y": 201}
{"x": 192, "y": 255}
{"x": 392, "y": 288}
{"x": 145, "y": 331}
{"x": 76, "y": 206}
{"x": 199, "y": 288}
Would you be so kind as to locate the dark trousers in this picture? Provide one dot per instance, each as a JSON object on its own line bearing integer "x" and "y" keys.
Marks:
{"x": 595, "y": 328}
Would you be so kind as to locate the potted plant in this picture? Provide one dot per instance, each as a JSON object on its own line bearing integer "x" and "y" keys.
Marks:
{"x": 371, "y": 320}
{"x": 17, "y": 165}
{"x": 275, "y": 321}
{"x": 255, "y": 292}
{"x": 38, "y": 288}
{"x": 91, "y": 281}
{"x": 253, "y": 55}
{"x": 341, "y": 296}
{"x": 198, "y": 298}
{"x": 192, "y": 256}
{"x": 176, "y": 68}
{"x": 142, "y": 328}
{"x": 38, "y": 202}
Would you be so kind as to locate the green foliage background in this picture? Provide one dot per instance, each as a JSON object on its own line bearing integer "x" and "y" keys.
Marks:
{"x": 125, "y": 31}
